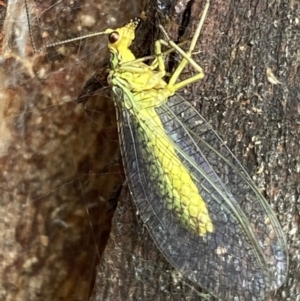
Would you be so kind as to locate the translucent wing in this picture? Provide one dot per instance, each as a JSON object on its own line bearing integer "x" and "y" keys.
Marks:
{"x": 245, "y": 256}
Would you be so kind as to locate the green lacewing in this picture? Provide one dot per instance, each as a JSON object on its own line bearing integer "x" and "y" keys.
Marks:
{"x": 199, "y": 204}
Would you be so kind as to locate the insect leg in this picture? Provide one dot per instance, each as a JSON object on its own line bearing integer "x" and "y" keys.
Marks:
{"x": 187, "y": 57}
{"x": 154, "y": 64}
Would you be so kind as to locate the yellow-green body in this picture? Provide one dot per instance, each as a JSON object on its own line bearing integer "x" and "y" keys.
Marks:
{"x": 144, "y": 90}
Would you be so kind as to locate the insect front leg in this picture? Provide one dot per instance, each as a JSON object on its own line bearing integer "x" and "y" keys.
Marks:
{"x": 159, "y": 55}
{"x": 187, "y": 56}
{"x": 159, "y": 61}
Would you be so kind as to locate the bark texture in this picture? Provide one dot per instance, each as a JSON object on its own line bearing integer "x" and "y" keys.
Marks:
{"x": 59, "y": 160}
{"x": 60, "y": 171}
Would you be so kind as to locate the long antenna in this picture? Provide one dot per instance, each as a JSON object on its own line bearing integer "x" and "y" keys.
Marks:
{"x": 56, "y": 43}
{"x": 29, "y": 27}
{"x": 75, "y": 39}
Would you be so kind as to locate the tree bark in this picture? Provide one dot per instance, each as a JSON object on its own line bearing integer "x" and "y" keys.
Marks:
{"x": 60, "y": 160}
{"x": 243, "y": 45}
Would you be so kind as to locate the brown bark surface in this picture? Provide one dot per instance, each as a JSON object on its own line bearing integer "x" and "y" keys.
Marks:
{"x": 60, "y": 170}
{"x": 59, "y": 160}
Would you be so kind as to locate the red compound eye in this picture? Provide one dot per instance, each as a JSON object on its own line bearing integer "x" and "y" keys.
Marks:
{"x": 113, "y": 37}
